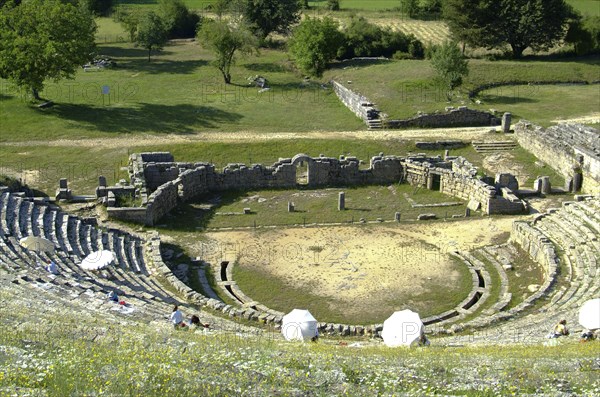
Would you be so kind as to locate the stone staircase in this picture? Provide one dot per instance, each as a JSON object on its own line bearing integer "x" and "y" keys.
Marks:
{"x": 494, "y": 146}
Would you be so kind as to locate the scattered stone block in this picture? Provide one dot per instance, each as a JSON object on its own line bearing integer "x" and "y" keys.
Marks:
{"x": 247, "y": 211}
{"x": 425, "y": 217}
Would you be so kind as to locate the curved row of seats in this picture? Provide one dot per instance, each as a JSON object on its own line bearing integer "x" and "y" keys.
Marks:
{"x": 74, "y": 239}
{"x": 574, "y": 231}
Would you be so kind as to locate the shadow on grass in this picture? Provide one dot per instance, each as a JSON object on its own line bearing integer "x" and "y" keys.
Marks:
{"x": 507, "y": 99}
{"x": 146, "y": 117}
{"x": 190, "y": 217}
{"x": 137, "y": 58}
{"x": 269, "y": 67}
{"x": 357, "y": 63}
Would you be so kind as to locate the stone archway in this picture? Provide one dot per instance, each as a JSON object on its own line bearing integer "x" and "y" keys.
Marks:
{"x": 304, "y": 166}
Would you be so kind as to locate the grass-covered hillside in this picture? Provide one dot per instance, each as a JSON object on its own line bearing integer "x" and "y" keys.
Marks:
{"x": 60, "y": 350}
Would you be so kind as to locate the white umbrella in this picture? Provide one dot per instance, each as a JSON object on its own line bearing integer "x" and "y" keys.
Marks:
{"x": 299, "y": 325}
{"x": 402, "y": 328}
{"x": 97, "y": 260}
{"x": 589, "y": 314}
{"x": 37, "y": 244}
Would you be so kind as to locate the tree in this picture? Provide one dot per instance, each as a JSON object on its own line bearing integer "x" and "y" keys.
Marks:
{"x": 100, "y": 7}
{"x": 314, "y": 43}
{"x": 449, "y": 64}
{"x": 536, "y": 24}
{"x": 471, "y": 22}
{"x": 333, "y": 5}
{"x": 151, "y": 33}
{"x": 179, "y": 21}
{"x": 520, "y": 24}
{"x": 44, "y": 39}
{"x": 225, "y": 39}
{"x": 129, "y": 18}
{"x": 266, "y": 16}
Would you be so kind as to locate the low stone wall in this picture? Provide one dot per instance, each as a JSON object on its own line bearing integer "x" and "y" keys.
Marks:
{"x": 129, "y": 214}
{"x": 539, "y": 248}
{"x": 161, "y": 202}
{"x": 455, "y": 177}
{"x": 460, "y": 117}
{"x": 570, "y": 149}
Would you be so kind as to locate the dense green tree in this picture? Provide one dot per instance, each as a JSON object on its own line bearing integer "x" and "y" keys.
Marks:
{"x": 267, "y": 16}
{"x": 44, "y": 39}
{"x": 365, "y": 39}
{"x": 333, "y": 5}
{"x": 314, "y": 43}
{"x": 179, "y": 21}
{"x": 449, "y": 63}
{"x": 520, "y": 24}
{"x": 151, "y": 33}
{"x": 584, "y": 34}
{"x": 100, "y": 7}
{"x": 129, "y": 18}
{"x": 226, "y": 39}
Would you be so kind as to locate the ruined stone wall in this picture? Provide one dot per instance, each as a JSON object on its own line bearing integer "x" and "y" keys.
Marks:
{"x": 130, "y": 214}
{"x": 538, "y": 246}
{"x": 461, "y": 117}
{"x": 455, "y": 178}
{"x": 358, "y": 104}
{"x": 161, "y": 202}
{"x": 567, "y": 148}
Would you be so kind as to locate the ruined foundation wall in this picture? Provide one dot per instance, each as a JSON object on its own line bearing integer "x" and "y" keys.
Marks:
{"x": 567, "y": 148}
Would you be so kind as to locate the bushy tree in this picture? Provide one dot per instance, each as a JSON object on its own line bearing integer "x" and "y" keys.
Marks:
{"x": 584, "y": 34}
{"x": 267, "y": 16}
{"x": 226, "y": 39}
{"x": 362, "y": 38}
{"x": 333, "y": 5}
{"x": 449, "y": 64}
{"x": 100, "y": 7}
{"x": 520, "y": 24}
{"x": 470, "y": 21}
{"x": 151, "y": 33}
{"x": 129, "y": 18}
{"x": 314, "y": 43}
{"x": 179, "y": 21}
{"x": 44, "y": 39}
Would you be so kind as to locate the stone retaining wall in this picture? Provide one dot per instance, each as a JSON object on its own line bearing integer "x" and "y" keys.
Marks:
{"x": 460, "y": 117}
{"x": 357, "y": 103}
{"x": 570, "y": 149}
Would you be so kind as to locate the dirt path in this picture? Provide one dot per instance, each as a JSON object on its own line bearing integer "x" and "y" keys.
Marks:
{"x": 253, "y": 136}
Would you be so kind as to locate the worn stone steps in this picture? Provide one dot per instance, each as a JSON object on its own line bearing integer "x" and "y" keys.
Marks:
{"x": 493, "y": 146}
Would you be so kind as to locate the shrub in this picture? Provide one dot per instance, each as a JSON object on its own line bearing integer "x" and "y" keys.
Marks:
{"x": 364, "y": 39}
{"x": 333, "y": 5}
{"x": 179, "y": 21}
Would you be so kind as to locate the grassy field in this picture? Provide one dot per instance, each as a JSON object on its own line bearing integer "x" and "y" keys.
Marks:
{"x": 269, "y": 207}
{"x": 178, "y": 92}
{"x": 435, "y": 299}
{"x": 402, "y": 88}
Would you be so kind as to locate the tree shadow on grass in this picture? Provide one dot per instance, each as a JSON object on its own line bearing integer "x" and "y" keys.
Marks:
{"x": 146, "y": 117}
{"x": 356, "y": 63}
{"x": 269, "y": 67}
{"x": 506, "y": 99}
{"x": 137, "y": 59}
